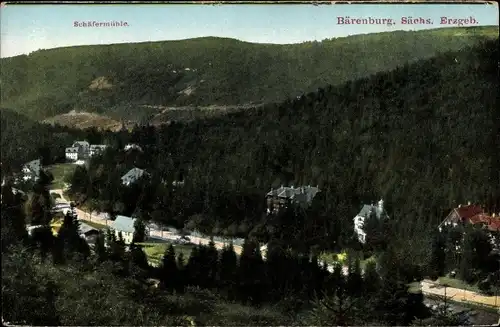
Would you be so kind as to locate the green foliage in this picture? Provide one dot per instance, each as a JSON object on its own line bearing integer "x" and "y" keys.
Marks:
{"x": 24, "y": 139}
{"x": 127, "y": 79}
{"x": 139, "y": 231}
{"x": 391, "y": 142}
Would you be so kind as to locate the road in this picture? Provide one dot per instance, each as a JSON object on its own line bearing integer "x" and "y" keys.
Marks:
{"x": 165, "y": 235}
{"x": 456, "y": 294}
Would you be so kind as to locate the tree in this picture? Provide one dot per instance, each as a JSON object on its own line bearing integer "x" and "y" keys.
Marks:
{"x": 251, "y": 272}
{"x": 212, "y": 258}
{"x": 139, "y": 260}
{"x": 475, "y": 255}
{"x": 69, "y": 237}
{"x": 371, "y": 279}
{"x": 100, "y": 248}
{"x": 169, "y": 273}
{"x": 335, "y": 310}
{"x": 181, "y": 266}
{"x": 139, "y": 231}
{"x": 438, "y": 255}
{"x": 13, "y": 218}
{"x": 228, "y": 265}
{"x": 354, "y": 284}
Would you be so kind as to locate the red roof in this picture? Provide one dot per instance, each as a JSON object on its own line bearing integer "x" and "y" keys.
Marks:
{"x": 469, "y": 211}
{"x": 494, "y": 224}
{"x": 480, "y": 218}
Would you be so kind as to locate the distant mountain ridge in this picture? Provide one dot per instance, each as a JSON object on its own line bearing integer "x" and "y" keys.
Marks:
{"x": 127, "y": 81}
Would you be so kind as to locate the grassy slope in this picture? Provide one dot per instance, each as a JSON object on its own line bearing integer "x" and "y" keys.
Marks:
{"x": 221, "y": 71}
{"x": 60, "y": 172}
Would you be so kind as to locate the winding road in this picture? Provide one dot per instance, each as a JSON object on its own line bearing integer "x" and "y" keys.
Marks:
{"x": 101, "y": 218}
{"x": 428, "y": 287}
{"x": 460, "y": 295}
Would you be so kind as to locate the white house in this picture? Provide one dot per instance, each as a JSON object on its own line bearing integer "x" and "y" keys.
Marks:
{"x": 96, "y": 149}
{"x": 72, "y": 153}
{"x": 365, "y": 212}
{"x": 132, "y": 176}
{"x": 131, "y": 146}
{"x": 125, "y": 226}
{"x": 83, "y": 149}
{"x": 31, "y": 170}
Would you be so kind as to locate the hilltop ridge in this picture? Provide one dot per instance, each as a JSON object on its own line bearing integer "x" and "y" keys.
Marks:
{"x": 126, "y": 81}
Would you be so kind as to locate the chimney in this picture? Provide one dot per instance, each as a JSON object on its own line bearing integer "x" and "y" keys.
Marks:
{"x": 460, "y": 206}
{"x": 468, "y": 203}
{"x": 291, "y": 187}
{"x": 493, "y": 215}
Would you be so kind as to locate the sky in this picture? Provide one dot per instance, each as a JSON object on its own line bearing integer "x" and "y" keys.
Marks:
{"x": 27, "y": 28}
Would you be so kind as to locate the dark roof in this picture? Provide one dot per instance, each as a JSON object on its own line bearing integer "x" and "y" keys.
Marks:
{"x": 85, "y": 228}
{"x": 123, "y": 224}
{"x": 299, "y": 194}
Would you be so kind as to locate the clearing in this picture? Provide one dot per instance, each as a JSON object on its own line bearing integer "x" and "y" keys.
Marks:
{"x": 60, "y": 171}
{"x": 155, "y": 248}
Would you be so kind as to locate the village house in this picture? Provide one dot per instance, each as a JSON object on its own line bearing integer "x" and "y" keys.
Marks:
{"x": 365, "y": 212}
{"x": 303, "y": 196}
{"x": 471, "y": 214}
{"x": 89, "y": 233}
{"x": 71, "y": 153}
{"x": 81, "y": 150}
{"x": 31, "y": 170}
{"x": 474, "y": 215}
{"x": 125, "y": 226}
{"x": 132, "y": 176}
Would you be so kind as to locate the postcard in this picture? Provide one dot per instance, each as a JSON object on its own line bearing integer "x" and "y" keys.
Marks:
{"x": 270, "y": 163}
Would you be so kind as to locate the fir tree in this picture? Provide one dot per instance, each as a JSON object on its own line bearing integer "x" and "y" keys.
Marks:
{"x": 100, "y": 248}
{"x": 354, "y": 284}
{"x": 139, "y": 231}
{"x": 212, "y": 257}
{"x": 371, "y": 278}
{"x": 228, "y": 265}
{"x": 169, "y": 272}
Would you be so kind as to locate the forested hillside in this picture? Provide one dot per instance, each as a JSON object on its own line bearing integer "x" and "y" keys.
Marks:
{"x": 24, "y": 139}
{"x": 125, "y": 80}
{"x": 422, "y": 137}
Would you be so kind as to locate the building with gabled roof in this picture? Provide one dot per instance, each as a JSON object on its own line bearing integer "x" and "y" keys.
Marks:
{"x": 125, "y": 226}
{"x": 132, "y": 176}
{"x": 278, "y": 198}
{"x": 31, "y": 170}
{"x": 363, "y": 214}
{"x": 461, "y": 214}
{"x": 71, "y": 153}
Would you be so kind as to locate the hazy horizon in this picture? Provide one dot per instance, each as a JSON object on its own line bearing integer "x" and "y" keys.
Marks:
{"x": 29, "y": 28}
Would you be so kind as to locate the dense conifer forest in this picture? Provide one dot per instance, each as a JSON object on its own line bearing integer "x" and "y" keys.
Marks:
{"x": 125, "y": 80}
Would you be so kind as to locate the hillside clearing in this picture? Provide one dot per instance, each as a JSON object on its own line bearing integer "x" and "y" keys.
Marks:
{"x": 60, "y": 172}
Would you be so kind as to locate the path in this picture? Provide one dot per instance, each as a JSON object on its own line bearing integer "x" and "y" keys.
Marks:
{"x": 456, "y": 294}
{"x": 166, "y": 235}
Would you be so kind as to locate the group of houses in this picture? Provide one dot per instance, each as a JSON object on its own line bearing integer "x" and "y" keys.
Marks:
{"x": 462, "y": 215}
{"x": 469, "y": 214}
{"x": 31, "y": 170}
{"x": 82, "y": 150}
